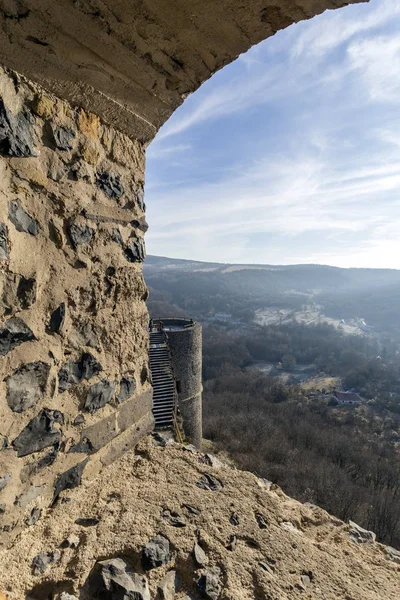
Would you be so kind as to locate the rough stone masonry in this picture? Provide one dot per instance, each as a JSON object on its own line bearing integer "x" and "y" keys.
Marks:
{"x": 74, "y": 387}
{"x": 74, "y": 380}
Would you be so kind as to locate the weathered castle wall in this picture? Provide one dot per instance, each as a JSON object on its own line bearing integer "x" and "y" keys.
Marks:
{"x": 74, "y": 385}
{"x": 74, "y": 389}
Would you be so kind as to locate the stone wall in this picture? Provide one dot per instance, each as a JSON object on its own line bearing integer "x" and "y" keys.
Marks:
{"x": 74, "y": 379}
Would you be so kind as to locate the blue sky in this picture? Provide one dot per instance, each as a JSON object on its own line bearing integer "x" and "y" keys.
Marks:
{"x": 291, "y": 154}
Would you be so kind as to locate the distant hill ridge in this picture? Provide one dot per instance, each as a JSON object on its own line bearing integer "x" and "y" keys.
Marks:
{"x": 153, "y": 260}
{"x": 343, "y": 293}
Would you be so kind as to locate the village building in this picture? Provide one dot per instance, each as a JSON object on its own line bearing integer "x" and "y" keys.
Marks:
{"x": 347, "y": 398}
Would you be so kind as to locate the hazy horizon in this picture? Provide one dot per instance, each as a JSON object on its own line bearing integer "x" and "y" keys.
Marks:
{"x": 259, "y": 264}
{"x": 290, "y": 155}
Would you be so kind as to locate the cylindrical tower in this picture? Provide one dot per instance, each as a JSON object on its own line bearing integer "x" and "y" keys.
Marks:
{"x": 185, "y": 343}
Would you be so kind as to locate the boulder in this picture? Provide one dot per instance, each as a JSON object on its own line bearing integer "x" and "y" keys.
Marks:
{"x": 27, "y": 385}
{"x": 99, "y": 395}
{"x": 209, "y": 482}
{"x": 167, "y": 586}
{"x": 18, "y": 292}
{"x": 209, "y": 583}
{"x": 200, "y": 556}
{"x": 21, "y": 219}
{"x": 14, "y": 333}
{"x": 39, "y": 433}
{"x": 31, "y": 493}
{"x": 42, "y": 561}
{"x": 306, "y": 578}
{"x": 56, "y": 169}
{"x": 118, "y": 582}
{"x": 87, "y": 521}
{"x": 156, "y": 553}
{"x": 90, "y": 366}
{"x": 213, "y": 461}
{"x": 45, "y": 461}
{"x": 16, "y": 137}
{"x": 190, "y": 448}
{"x": 359, "y": 535}
{"x": 393, "y": 554}
{"x": 192, "y": 509}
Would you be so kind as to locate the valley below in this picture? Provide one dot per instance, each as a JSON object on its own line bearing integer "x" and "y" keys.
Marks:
{"x": 278, "y": 343}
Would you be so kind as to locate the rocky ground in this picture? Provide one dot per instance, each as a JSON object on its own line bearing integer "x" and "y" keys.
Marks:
{"x": 167, "y": 522}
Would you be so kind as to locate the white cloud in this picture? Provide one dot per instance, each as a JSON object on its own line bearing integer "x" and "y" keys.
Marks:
{"x": 331, "y": 193}
{"x": 294, "y": 70}
{"x": 158, "y": 151}
{"x": 378, "y": 64}
{"x": 287, "y": 197}
{"x": 335, "y": 28}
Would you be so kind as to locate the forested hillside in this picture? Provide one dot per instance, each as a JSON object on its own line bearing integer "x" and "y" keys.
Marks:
{"x": 203, "y": 289}
{"x": 277, "y": 342}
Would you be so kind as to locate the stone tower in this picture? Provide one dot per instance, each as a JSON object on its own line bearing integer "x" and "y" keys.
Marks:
{"x": 185, "y": 343}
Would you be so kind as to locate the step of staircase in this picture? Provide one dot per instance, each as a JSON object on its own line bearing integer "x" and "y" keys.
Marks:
{"x": 164, "y": 390}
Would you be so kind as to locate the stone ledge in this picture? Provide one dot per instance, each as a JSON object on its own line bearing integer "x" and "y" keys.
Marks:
{"x": 101, "y": 433}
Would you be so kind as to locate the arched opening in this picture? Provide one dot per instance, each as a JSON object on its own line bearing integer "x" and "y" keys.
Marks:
{"x": 84, "y": 88}
{"x": 322, "y": 191}
{"x": 98, "y": 80}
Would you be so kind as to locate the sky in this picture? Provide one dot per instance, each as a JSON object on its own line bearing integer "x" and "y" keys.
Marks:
{"x": 291, "y": 154}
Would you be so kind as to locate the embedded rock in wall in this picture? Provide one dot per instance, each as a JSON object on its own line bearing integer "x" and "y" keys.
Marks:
{"x": 126, "y": 388}
{"x": 3, "y": 242}
{"x": 73, "y": 372}
{"x": 57, "y": 318}
{"x": 40, "y": 433}
{"x": 99, "y": 395}
{"x": 16, "y": 134}
{"x": 21, "y": 219}
{"x": 73, "y": 321}
{"x": 13, "y": 333}
{"x": 27, "y": 385}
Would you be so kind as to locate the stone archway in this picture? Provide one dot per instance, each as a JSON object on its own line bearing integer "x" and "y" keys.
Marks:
{"x": 85, "y": 85}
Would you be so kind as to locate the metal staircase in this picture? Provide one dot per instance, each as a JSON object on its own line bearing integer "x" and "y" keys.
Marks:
{"x": 164, "y": 388}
